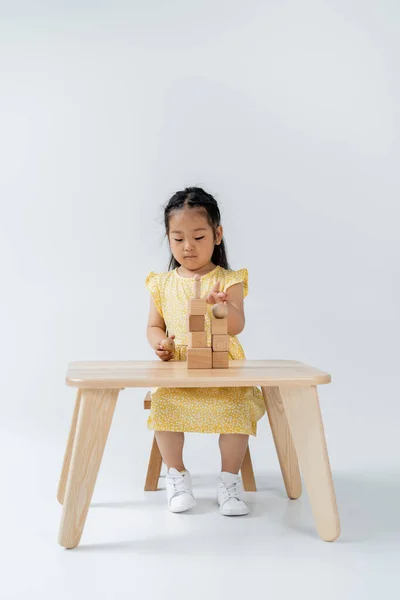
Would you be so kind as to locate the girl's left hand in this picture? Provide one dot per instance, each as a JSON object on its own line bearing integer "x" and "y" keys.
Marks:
{"x": 215, "y": 296}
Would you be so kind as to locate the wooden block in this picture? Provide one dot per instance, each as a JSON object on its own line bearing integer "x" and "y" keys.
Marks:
{"x": 220, "y": 360}
{"x": 197, "y": 287}
{"x": 196, "y": 323}
{"x": 199, "y": 358}
{"x": 197, "y": 339}
{"x": 220, "y": 343}
{"x": 197, "y": 306}
{"x": 219, "y": 326}
{"x": 220, "y": 310}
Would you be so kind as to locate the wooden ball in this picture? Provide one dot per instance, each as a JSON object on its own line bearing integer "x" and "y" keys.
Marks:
{"x": 220, "y": 311}
{"x": 168, "y": 344}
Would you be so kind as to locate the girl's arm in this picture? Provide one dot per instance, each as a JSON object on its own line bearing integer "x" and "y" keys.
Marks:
{"x": 156, "y": 332}
{"x": 234, "y": 301}
{"x": 235, "y": 304}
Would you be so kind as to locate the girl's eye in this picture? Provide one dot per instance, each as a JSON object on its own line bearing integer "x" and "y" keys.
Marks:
{"x": 200, "y": 238}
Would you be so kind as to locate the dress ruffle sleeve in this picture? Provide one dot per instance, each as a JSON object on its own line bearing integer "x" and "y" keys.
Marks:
{"x": 153, "y": 286}
{"x": 240, "y": 276}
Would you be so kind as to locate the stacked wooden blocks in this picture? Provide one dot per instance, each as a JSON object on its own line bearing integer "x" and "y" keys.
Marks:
{"x": 199, "y": 355}
{"x": 220, "y": 337}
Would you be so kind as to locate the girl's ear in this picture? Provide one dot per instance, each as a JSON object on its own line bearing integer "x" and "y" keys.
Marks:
{"x": 219, "y": 232}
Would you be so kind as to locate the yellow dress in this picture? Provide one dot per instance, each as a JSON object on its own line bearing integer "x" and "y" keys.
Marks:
{"x": 205, "y": 410}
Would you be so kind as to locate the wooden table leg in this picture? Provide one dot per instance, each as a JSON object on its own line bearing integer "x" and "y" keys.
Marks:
{"x": 94, "y": 420}
{"x": 283, "y": 441}
{"x": 305, "y": 421}
{"x": 68, "y": 450}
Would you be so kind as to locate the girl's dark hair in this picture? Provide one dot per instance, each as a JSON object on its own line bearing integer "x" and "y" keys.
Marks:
{"x": 196, "y": 197}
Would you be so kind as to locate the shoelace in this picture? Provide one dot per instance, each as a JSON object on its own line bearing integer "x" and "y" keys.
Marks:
{"x": 179, "y": 485}
{"x": 230, "y": 491}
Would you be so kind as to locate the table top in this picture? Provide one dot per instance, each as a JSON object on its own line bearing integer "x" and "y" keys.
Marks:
{"x": 156, "y": 373}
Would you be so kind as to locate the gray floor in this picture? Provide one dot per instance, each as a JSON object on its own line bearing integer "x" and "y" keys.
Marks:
{"x": 133, "y": 545}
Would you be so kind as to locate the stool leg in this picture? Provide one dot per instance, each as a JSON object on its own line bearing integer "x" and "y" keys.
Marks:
{"x": 305, "y": 422}
{"x": 154, "y": 468}
{"x": 249, "y": 483}
{"x": 68, "y": 450}
{"x": 283, "y": 441}
{"x": 94, "y": 420}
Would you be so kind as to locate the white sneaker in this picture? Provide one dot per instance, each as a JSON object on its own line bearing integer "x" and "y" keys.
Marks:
{"x": 230, "y": 495}
{"x": 179, "y": 491}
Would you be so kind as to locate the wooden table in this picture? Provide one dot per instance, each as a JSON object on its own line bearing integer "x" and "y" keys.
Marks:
{"x": 290, "y": 393}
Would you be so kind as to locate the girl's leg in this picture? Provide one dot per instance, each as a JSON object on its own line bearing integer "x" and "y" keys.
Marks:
{"x": 233, "y": 449}
{"x": 170, "y": 444}
{"x": 179, "y": 485}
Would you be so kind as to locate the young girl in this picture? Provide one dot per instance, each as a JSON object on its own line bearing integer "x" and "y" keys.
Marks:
{"x": 195, "y": 236}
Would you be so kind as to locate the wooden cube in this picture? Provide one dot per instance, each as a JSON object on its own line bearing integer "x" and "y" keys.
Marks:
{"x": 220, "y": 343}
{"x": 197, "y": 306}
{"x": 199, "y": 358}
{"x": 196, "y": 323}
{"x": 219, "y": 326}
{"x": 197, "y": 339}
{"x": 220, "y": 360}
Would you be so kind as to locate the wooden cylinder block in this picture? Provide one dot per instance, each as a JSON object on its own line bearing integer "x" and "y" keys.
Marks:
{"x": 197, "y": 286}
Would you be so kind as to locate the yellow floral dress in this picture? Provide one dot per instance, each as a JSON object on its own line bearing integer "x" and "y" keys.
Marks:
{"x": 205, "y": 410}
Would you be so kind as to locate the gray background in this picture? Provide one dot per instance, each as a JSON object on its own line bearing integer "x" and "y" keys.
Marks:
{"x": 288, "y": 112}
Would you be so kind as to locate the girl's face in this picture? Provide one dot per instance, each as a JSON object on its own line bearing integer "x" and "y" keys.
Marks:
{"x": 191, "y": 238}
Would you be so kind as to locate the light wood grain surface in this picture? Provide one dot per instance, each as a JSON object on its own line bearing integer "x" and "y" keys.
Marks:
{"x": 156, "y": 373}
{"x": 283, "y": 441}
{"x": 291, "y": 398}
{"x": 68, "y": 451}
{"x": 94, "y": 419}
{"x": 303, "y": 414}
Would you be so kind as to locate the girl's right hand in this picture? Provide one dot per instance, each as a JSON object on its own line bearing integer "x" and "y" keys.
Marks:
{"x": 164, "y": 355}
{"x": 215, "y": 296}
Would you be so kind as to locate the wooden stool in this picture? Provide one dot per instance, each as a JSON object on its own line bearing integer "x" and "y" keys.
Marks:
{"x": 155, "y": 464}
